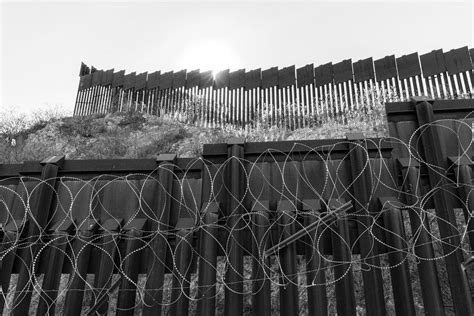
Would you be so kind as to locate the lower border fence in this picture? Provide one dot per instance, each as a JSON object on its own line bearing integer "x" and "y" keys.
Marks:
{"x": 296, "y": 227}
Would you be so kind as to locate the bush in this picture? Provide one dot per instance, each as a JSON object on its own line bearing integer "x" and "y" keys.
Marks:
{"x": 133, "y": 120}
{"x": 85, "y": 126}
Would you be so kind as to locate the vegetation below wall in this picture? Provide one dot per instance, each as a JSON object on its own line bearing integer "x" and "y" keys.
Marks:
{"x": 137, "y": 135}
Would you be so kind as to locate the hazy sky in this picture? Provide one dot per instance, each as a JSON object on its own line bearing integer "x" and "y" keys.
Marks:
{"x": 43, "y": 43}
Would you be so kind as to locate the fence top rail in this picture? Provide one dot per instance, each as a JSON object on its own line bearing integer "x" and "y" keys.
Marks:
{"x": 93, "y": 167}
{"x": 297, "y": 150}
{"x": 442, "y": 109}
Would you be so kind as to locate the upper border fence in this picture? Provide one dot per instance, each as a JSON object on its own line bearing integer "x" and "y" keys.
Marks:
{"x": 355, "y": 225}
{"x": 286, "y": 97}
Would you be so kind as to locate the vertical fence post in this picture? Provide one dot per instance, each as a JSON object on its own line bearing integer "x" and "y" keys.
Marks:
{"x": 49, "y": 292}
{"x": 430, "y": 287}
{"x": 206, "y": 292}
{"x": 397, "y": 255}
{"x": 286, "y": 211}
{"x": 183, "y": 267}
{"x": 39, "y": 214}
{"x": 156, "y": 265}
{"x": 260, "y": 266}
{"x": 131, "y": 265}
{"x": 110, "y": 231}
{"x": 234, "y": 290}
{"x": 82, "y": 248}
{"x": 341, "y": 251}
{"x": 362, "y": 188}
{"x": 315, "y": 275}
{"x": 433, "y": 155}
{"x": 10, "y": 240}
{"x": 462, "y": 171}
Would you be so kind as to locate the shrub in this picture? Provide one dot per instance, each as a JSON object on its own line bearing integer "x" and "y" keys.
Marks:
{"x": 85, "y": 126}
{"x": 133, "y": 120}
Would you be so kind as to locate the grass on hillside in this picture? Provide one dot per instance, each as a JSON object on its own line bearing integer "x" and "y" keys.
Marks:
{"x": 137, "y": 135}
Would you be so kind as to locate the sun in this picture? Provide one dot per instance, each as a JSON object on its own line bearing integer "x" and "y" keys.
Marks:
{"x": 207, "y": 55}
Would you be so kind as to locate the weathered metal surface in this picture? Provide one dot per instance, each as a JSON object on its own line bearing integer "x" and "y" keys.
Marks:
{"x": 364, "y": 70}
{"x": 270, "y": 77}
{"x": 323, "y": 74}
{"x": 286, "y": 77}
{"x": 408, "y": 66}
{"x": 458, "y": 60}
{"x": 342, "y": 71}
{"x": 237, "y": 79}
{"x": 222, "y": 79}
{"x": 253, "y": 79}
{"x": 305, "y": 75}
{"x": 385, "y": 68}
{"x": 433, "y": 63}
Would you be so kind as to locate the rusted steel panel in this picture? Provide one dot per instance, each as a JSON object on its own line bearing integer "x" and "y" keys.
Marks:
{"x": 118, "y": 79}
{"x": 408, "y": 66}
{"x": 385, "y": 68}
{"x": 305, "y": 75}
{"x": 85, "y": 82}
{"x": 166, "y": 80}
{"x": 97, "y": 78}
{"x": 206, "y": 79}
{"x": 343, "y": 71}
{"x": 270, "y": 77}
{"x": 433, "y": 63}
{"x": 129, "y": 81}
{"x": 286, "y": 77}
{"x": 237, "y": 79}
{"x": 193, "y": 79}
{"x": 84, "y": 70}
{"x": 323, "y": 74}
{"x": 458, "y": 60}
{"x": 253, "y": 79}
{"x": 140, "y": 81}
{"x": 222, "y": 79}
{"x": 153, "y": 81}
{"x": 179, "y": 79}
{"x": 107, "y": 77}
{"x": 364, "y": 70}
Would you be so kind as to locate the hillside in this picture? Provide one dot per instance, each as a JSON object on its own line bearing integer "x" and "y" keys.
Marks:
{"x": 137, "y": 135}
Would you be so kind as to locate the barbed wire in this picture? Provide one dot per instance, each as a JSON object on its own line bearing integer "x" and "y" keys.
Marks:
{"x": 296, "y": 178}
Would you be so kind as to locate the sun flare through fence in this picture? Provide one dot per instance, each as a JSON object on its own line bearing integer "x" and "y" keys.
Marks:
{"x": 288, "y": 97}
{"x": 315, "y": 227}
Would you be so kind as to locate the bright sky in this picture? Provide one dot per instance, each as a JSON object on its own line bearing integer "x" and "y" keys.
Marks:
{"x": 43, "y": 43}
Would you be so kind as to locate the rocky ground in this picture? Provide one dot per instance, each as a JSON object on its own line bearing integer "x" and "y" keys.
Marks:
{"x": 136, "y": 135}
